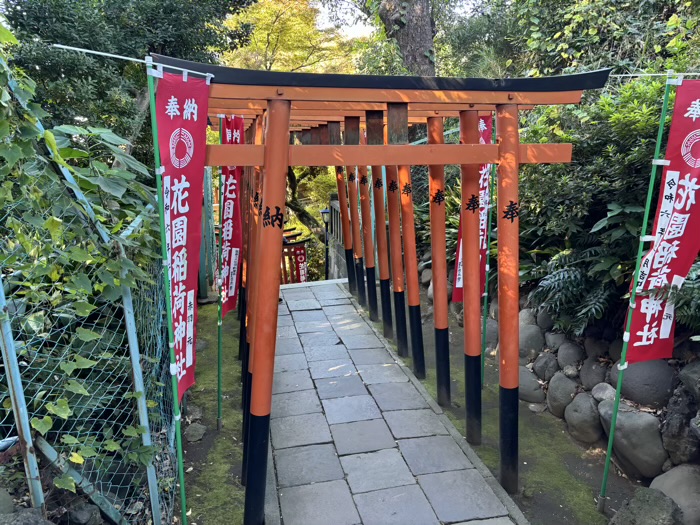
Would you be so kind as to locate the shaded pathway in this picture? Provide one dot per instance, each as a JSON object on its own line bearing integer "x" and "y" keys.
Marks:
{"x": 356, "y": 439}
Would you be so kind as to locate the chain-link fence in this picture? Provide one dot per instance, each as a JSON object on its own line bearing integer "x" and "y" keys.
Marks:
{"x": 67, "y": 287}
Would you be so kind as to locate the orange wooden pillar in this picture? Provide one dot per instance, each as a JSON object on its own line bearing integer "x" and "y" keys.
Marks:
{"x": 334, "y": 139}
{"x": 439, "y": 257}
{"x": 375, "y": 137}
{"x": 270, "y": 228}
{"x": 398, "y": 134}
{"x": 395, "y": 244}
{"x": 367, "y": 241}
{"x": 352, "y": 138}
{"x": 508, "y": 290}
{"x": 469, "y": 134}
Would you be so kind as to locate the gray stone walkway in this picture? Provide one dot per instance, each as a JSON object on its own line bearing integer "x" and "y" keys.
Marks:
{"x": 355, "y": 437}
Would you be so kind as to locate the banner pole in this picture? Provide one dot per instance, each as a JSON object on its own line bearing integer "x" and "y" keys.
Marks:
{"x": 166, "y": 280}
{"x": 219, "y": 283}
{"x": 485, "y": 314}
{"x": 633, "y": 295}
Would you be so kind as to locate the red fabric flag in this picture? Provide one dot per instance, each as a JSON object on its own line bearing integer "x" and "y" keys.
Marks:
{"x": 676, "y": 240}
{"x": 485, "y": 137}
{"x": 231, "y": 226}
{"x": 181, "y": 113}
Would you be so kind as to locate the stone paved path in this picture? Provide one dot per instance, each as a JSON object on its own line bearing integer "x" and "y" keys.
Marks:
{"x": 355, "y": 437}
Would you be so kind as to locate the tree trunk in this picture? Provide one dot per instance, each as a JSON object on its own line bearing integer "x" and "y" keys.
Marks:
{"x": 306, "y": 218}
{"x": 411, "y": 24}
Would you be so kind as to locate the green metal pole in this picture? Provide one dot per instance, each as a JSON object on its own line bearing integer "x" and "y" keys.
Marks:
{"x": 485, "y": 314}
{"x": 168, "y": 302}
{"x": 633, "y": 295}
{"x": 220, "y": 282}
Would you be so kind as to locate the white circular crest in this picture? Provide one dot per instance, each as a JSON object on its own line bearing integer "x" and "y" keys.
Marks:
{"x": 687, "y": 149}
{"x": 184, "y": 136}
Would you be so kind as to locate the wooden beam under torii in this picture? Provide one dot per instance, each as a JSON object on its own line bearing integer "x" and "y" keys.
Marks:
{"x": 321, "y": 109}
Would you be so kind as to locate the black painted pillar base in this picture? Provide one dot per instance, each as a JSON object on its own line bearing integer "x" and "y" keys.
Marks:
{"x": 242, "y": 308}
{"x": 247, "y": 388}
{"x": 241, "y": 293}
{"x": 401, "y": 333}
{"x": 442, "y": 366}
{"x": 360, "y": 277}
{"x": 259, "y": 441}
{"x": 508, "y": 416}
{"x": 472, "y": 392}
{"x": 350, "y": 266}
{"x": 372, "y": 294}
{"x": 417, "y": 352}
{"x": 385, "y": 291}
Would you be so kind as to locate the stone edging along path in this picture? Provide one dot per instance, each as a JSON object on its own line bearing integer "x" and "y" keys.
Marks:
{"x": 313, "y": 486}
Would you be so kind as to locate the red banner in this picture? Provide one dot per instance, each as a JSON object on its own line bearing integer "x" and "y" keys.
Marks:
{"x": 485, "y": 137}
{"x": 300, "y": 264}
{"x": 231, "y": 235}
{"x": 676, "y": 241}
{"x": 181, "y": 113}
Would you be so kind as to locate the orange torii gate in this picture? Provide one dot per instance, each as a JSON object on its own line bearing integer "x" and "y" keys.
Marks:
{"x": 321, "y": 108}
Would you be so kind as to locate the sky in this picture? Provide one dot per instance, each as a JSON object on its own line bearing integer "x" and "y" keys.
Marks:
{"x": 349, "y": 30}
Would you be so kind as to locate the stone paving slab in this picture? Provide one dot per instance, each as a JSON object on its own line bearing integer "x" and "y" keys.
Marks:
{"x": 356, "y": 438}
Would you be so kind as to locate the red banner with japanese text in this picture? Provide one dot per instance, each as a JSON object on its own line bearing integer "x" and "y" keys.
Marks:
{"x": 676, "y": 241}
{"x": 485, "y": 137}
{"x": 181, "y": 114}
{"x": 231, "y": 224}
{"x": 300, "y": 263}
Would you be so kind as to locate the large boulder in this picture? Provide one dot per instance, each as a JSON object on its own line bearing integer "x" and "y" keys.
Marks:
{"x": 690, "y": 377}
{"x": 682, "y": 445}
{"x": 649, "y": 383}
{"x": 560, "y": 393}
{"x": 430, "y": 292}
{"x": 545, "y": 366}
{"x": 638, "y": 443}
{"x": 527, "y": 316}
{"x": 7, "y": 504}
{"x": 426, "y": 276}
{"x": 24, "y": 517}
{"x": 582, "y": 419}
{"x": 569, "y": 354}
{"x": 529, "y": 389}
{"x": 553, "y": 340}
{"x": 603, "y": 391}
{"x": 648, "y": 506}
{"x": 682, "y": 485}
{"x": 531, "y": 341}
{"x": 592, "y": 372}
{"x": 493, "y": 309}
{"x": 615, "y": 350}
{"x": 595, "y": 347}
{"x": 491, "y": 333}
{"x": 544, "y": 320}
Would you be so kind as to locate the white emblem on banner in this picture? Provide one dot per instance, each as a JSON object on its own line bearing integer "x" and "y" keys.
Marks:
{"x": 181, "y": 136}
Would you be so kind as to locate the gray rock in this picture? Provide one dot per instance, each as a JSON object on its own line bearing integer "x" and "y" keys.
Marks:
{"x": 570, "y": 371}
{"x": 595, "y": 347}
{"x": 638, "y": 444}
{"x": 603, "y": 391}
{"x": 527, "y": 316}
{"x": 531, "y": 341}
{"x": 681, "y": 443}
{"x": 427, "y": 256}
{"x": 194, "y": 413}
{"x": 24, "y": 517}
{"x": 649, "y": 383}
{"x": 450, "y": 289}
{"x": 690, "y": 377}
{"x": 426, "y": 276}
{"x": 83, "y": 513}
{"x": 553, "y": 340}
{"x": 523, "y": 301}
{"x": 695, "y": 426}
{"x": 682, "y": 485}
{"x": 423, "y": 265}
{"x": 493, "y": 309}
{"x": 615, "y": 350}
{"x": 491, "y": 333}
{"x": 592, "y": 372}
{"x": 569, "y": 354}
{"x": 648, "y": 506}
{"x": 451, "y": 275}
{"x": 195, "y": 432}
{"x": 546, "y": 366}
{"x": 537, "y": 408}
{"x": 7, "y": 504}
{"x": 430, "y": 292}
{"x": 582, "y": 419}
{"x": 544, "y": 320}
{"x": 529, "y": 389}
{"x": 560, "y": 393}
{"x": 686, "y": 351}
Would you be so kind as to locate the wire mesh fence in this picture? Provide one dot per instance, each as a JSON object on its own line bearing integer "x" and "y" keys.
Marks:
{"x": 64, "y": 283}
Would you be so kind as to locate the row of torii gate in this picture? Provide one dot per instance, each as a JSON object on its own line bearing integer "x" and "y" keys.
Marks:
{"x": 326, "y": 113}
